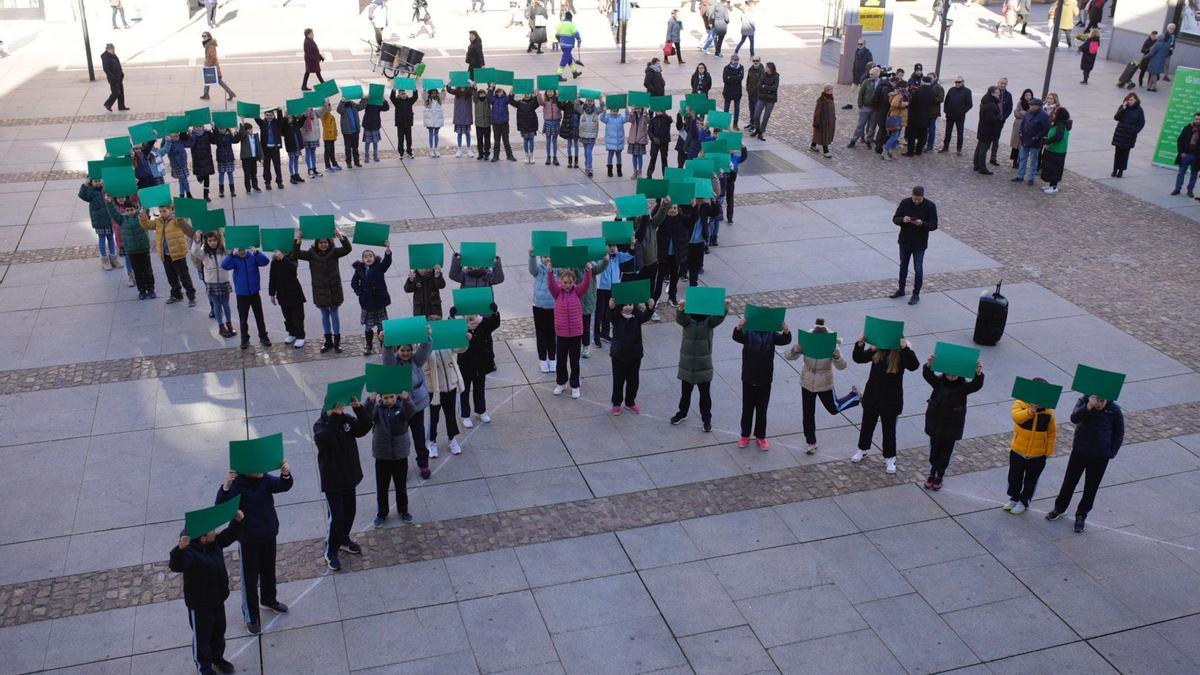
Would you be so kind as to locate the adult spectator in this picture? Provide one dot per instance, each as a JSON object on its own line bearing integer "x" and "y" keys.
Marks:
{"x": 118, "y": 7}
{"x": 865, "y": 129}
{"x": 377, "y": 14}
{"x": 991, "y": 121}
{"x": 312, "y": 59}
{"x": 211, "y": 60}
{"x": 753, "y": 76}
{"x": 958, "y": 103}
{"x": 731, "y": 87}
{"x": 474, "y": 53}
{"x": 747, "y": 28}
{"x": 1032, "y": 133}
{"x": 1065, "y": 23}
{"x": 920, "y": 107}
{"x": 768, "y": 94}
{"x": 1156, "y": 61}
{"x": 1170, "y": 50}
{"x": 674, "y": 35}
{"x": 1145, "y": 49}
{"x": 1099, "y": 433}
{"x": 116, "y": 79}
{"x": 720, "y": 24}
{"x": 654, "y": 83}
{"x": 916, "y": 217}
{"x": 1130, "y": 119}
{"x": 1188, "y": 159}
{"x": 210, "y": 8}
{"x": 935, "y": 110}
{"x": 1004, "y": 96}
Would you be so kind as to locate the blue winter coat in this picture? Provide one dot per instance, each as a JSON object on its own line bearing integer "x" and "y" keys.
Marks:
{"x": 541, "y": 289}
{"x": 499, "y": 107}
{"x": 369, "y": 285}
{"x": 614, "y": 130}
{"x": 245, "y": 271}
{"x": 1156, "y": 59}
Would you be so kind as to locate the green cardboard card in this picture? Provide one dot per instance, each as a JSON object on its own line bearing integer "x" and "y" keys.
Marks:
{"x": 697, "y": 103}
{"x": 653, "y": 188}
{"x": 732, "y": 141}
{"x": 817, "y": 345}
{"x": 189, "y": 208}
{"x": 460, "y": 78}
{"x": 371, "y": 234}
{"x": 704, "y": 188}
{"x": 119, "y": 181}
{"x": 616, "y": 101}
{"x": 592, "y": 94}
{"x": 639, "y": 99}
{"x": 722, "y": 161}
{"x": 477, "y": 253}
{"x": 705, "y": 301}
{"x": 202, "y": 521}
{"x": 523, "y": 86}
{"x": 1042, "y": 394}
{"x": 719, "y": 120}
{"x": 433, "y": 83}
{"x": 209, "y": 221}
{"x": 343, "y": 392}
{"x": 96, "y": 167}
{"x": 631, "y": 206}
{"x": 257, "y": 455}
{"x": 316, "y": 227}
{"x": 225, "y": 119}
{"x": 596, "y": 247}
{"x": 676, "y": 173}
{"x": 712, "y": 148}
{"x": 547, "y": 82}
{"x": 277, "y": 239}
{"x": 617, "y": 231}
{"x": 504, "y": 77}
{"x": 198, "y": 117}
{"x": 297, "y": 106}
{"x": 426, "y": 256}
{"x": 119, "y": 146}
{"x": 543, "y": 240}
{"x": 383, "y": 379}
{"x": 663, "y": 103}
{"x": 242, "y": 236}
{"x": 569, "y": 257}
{"x": 682, "y": 192}
{"x": 1091, "y": 381}
{"x": 314, "y": 99}
{"x": 474, "y": 301}
{"x": 327, "y": 88}
{"x": 353, "y": 92}
{"x": 157, "y": 195}
{"x": 250, "y": 110}
{"x": 404, "y": 83}
{"x": 143, "y": 133}
{"x": 631, "y": 292}
{"x": 568, "y": 92}
{"x": 413, "y": 330}
{"x": 449, "y": 333}
{"x": 952, "y": 359}
{"x": 764, "y": 318}
{"x": 701, "y": 168}
{"x": 484, "y": 75}
{"x": 176, "y": 124}
{"x": 882, "y": 333}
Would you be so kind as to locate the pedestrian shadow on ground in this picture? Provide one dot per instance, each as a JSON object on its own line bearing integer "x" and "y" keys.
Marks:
{"x": 227, "y": 18}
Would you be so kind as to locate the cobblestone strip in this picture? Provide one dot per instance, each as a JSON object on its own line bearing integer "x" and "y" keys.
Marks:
{"x": 229, "y": 358}
{"x": 135, "y": 585}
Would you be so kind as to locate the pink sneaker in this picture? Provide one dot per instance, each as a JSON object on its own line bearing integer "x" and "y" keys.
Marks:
{"x": 616, "y": 410}
{"x": 634, "y": 409}
{"x": 763, "y": 444}
{"x": 743, "y": 441}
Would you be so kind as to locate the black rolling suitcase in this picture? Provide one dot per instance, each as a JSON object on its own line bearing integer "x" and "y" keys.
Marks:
{"x": 1126, "y": 78}
{"x": 991, "y": 317}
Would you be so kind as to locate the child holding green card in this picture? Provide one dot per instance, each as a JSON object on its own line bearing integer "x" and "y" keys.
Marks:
{"x": 313, "y": 135}
{"x": 92, "y": 192}
{"x": 176, "y": 146}
{"x": 208, "y": 251}
{"x": 444, "y": 380}
{"x": 1034, "y": 432}
{"x": 336, "y": 434}
{"x": 369, "y": 285}
{"x": 433, "y": 118}
{"x": 1099, "y": 434}
{"x": 758, "y": 372}
{"x": 483, "y": 124}
{"x": 244, "y": 264}
{"x": 476, "y": 363}
{"x": 205, "y": 589}
{"x": 372, "y": 125}
{"x": 626, "y": 352}
{"x": 883, "y": 397}
{"x": 476, "y": 277}
{"x": 415, "y": 356}
{"x": 329, "y": 134}
{"x": 426, "y": 286}
{"x": 293, "y": 143}
{"x": 945, "y": 417}
{"x": 543, "y": 313}
{"x": 639, "y": 136}
{"x": 390, "y": 444}
{"x": 569, "y": 130}
{"x": 226, "y": 162}
{"x": 696, "y": 362}
{"x": 283, "y": 286}
{"x": 172, "y": 237}
{"x": 659, "y": 135}
{"x": 589, "y": 130}
{"x": 462, "y": 118}
{"x": 552, "y": 116}
{"x": 527, "y": 122}
{"x": 614, "y": 137}
{"x": 322, "y": 260}
{"x": 816, "y": 381}
{"x": 403, "y": 102}
{"x": 351, "y": 128}
{"x": 250, "y": 152}
{"x": 136, "y": 243}
{"x": 202, "y": 159}
{"x": 568, "y": 323}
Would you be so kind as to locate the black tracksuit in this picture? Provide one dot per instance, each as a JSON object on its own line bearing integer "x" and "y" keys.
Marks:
{"x": 758, "y": 371}
{"x": 283, "y": 286}
{"x": 256, "y": 539}
{"x": 883, "y": 396}
{"x": 205, "y": 587}
{"x": 337, "y": 437}
{"x": 626, "y": 351}
{"x": 945, "y": 416}
{"x": 1098, "y": 437}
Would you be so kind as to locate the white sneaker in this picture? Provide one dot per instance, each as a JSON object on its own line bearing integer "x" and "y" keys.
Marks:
{"x": 586, "y": 353}
{"x": 468, "y": 423}
{"x": 486, "y": 418}
{"x": 544, "y": 366}
{"x": 575, "y": 392}
{"x": 299, "y": 343}
{"x": 1018, "y": 509}
{"x": 891, "y": 465}
{"x": 811, "y": 449}
{"x": 553, "y": 365}
{"x": 288, "y": 340}
{"x": 655, "y": 317}
{"x": 455, "y": 448}
{"x": 1049, "y": 190}
{"x": 458, "y": 154}
{"x": 1011, "y": 503}
{"x": 432, "y": 446}
{"x": 559, "y": 389}
{"x": 858, "y": 456}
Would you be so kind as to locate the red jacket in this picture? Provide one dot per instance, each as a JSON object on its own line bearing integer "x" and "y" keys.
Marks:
{"x": 568, "y": 306}
{"x": 312, "y": 56}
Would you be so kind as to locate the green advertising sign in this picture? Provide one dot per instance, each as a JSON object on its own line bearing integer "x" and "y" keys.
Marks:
{"x": 1181, "y": 106}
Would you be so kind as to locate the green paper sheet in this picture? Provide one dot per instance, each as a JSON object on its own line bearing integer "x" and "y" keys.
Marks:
{"x": 484, "y": 75}
{"x": 297, "y": 106}
{"x": 327, "y": 88}
{"x": 202, "y": 521}
{"x": 394, "y": 379}
{"x": 477, "y": 253}
{"x": 721, "y": 161}
{"x": 189, "y": 208}
{"x": 631, "y": 206}
{"x": 176, "y": 124}
{"x": 523, "y": 86}
{"x": 426, "y": 256}
{"x": 460, "y": 78}
{"x": 257, "y": 455}
{"x": 119, "y": 181}
{"x": 697, "y": 103}
{"x": 433, "y": 83}
{"x": 653, "y": 188}
{"x": 616, "y": 101}
{"x": 952, "y": 359}
{"x": 198, "y": 117}
{"x": 96, "y": 167}
{"x": 568, "y": 92}
{"x": 764, "y": 318}
{"x": 242, "y": 236}
{"x": 225, "y": 119}
{"x": 371, "y": 234}
{"x": 144, "y": 132}
{"x": 543, "y": 240}
{"x": 547, "y": 82}
{"x": 663, "y": 103}
{"x": 156, "y": 195}
{"x": 119, "y": 146}
{"x": 705, "y": 301}
{"x": 1043, "y": 394}
{"x": 569, "y": 257}
{"x": 704, "y": 188}
{"x": 504, "y": 77}
{"x": 676, "y": 173}
{"x": 314, "y": 99}
{"x": 719, "y": 120}
{"x": 732, "y": 140}
{"x": 474, "y": 301}
{"x": 882, "y": 333}
{"x": 404, "y": 83}
{"x": 352, "y": 92}
{"x": 817, "y": 345}
{"x": 343, "y": 392}
{"x": 1091, "y": 381}
{"x": 639, "y": 99}
{"x": 209, "y": 221}
{"x": 316, "y": 226}
{"x": 593, "y": 94}
{"x": 617, "y": 231}
{"x": 700, "y": 168}
{"x": 596, "y": 247}
{"x": 250, "y": 110}
{"x": 449, "y": 333}
{"x": 413, "y": 330}
{"x": 631, "y": 292}
{"x": 682, "y": 192}
{"x": 277, "y": 239}
{"x": 712, "y": 148}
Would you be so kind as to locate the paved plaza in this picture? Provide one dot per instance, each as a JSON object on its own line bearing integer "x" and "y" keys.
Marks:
{"x": 564, "y": 539}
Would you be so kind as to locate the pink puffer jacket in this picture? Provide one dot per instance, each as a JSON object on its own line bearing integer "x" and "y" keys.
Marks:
{"x": 568, "y": 305}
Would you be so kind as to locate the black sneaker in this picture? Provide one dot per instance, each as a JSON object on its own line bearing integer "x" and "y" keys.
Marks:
{"x": 426, "y": 473}
{"x": 264, "y": 342}
{"x": 277, "y": 607}
{"x": 245, "y": 343}
{"x": 708, "y": 425}
{"x": 1053, "y": 515}
{"x": 222, "y": 666}
{"x": 898, "y": 293}
{"x": 253, "y": 627}
{"x": 1079, "y": 523}
{"x": 172, "y": 300}
{"x": 333, "y": 562}
{"x": 678, "y": 417}
{"x": 916, "y": 297}
{"x": 351, "y": 547}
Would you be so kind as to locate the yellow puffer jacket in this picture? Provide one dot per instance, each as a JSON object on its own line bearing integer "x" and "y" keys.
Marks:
{"x": 328, "y": 125}
{"x": 1033, "y": 432}
{"x": 173, "y": 231}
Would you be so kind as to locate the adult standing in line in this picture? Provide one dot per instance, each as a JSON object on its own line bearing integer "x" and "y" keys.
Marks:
{"x": 1019, "y": 112}
{"x": 1130, "y": 120}
{"x": 1054, "y": 154}
{"x": 474, "y": 53}
{"x": 824, "y": 121}
{"x": 674, "y": 34}
{"x": 312, "y": 59}
{"x": 115, "y": 76}
{"x": 865, "y": 129}
{"x": 731, "y": 87}
{"x": 1099, "y": 433}
{"x": 958, "y": 103}
{"x": 991, "y": 121}
{"x": 768, "y": 94}
{"x": 210, "y": 7}
{"x": 118, "y": 7}
{"x": 211, "y": 60}
{"x": 1031, "y": 135}
{"x": 862, "y": 59}
{"x": 1170, "y": 35}
{"x": 753, "y": 77}
{"x": 653, "y": 82}
{"x": 1004, "y": 96}
{"x": 916, "y": 217}
{"x": 916, "y": 130}
{"x": 935, "y": 110}
{"x": 1188, "y": 159}
{"x": 720, "y": 24}
{"x": 1156, "y": 61}
{"x": 377, "y": 14}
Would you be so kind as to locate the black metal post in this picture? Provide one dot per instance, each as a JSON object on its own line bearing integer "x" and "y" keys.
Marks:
{"x": 87, "y": 43}
{"x": 1053, "y": 48}
{"x": 624, "y": 27}
{"x": 937, "y": 67}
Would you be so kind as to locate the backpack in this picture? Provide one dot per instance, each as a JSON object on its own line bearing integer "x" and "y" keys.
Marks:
{"x": 1093, "y": 47}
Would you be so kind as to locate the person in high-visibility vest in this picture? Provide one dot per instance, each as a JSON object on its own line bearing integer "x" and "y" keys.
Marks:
{"x": 567, "y": 37}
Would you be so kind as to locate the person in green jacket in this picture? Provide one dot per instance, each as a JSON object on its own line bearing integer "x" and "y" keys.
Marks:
{"x": 695, "y": 361}
{"x": 92, "y": 192}
{"x": 124, "y": 212}
{"x": 1054, "y": 149}
{"x": 589, "y": 303}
